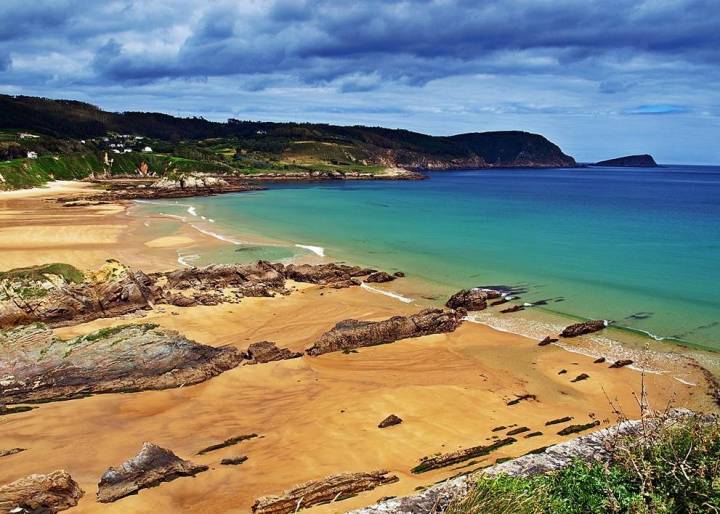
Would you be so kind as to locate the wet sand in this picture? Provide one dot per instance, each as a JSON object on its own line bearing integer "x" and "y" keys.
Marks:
{"x": 316, "y": 415}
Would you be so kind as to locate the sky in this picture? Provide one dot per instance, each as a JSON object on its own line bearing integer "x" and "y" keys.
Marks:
{"x": 599, "y": 78}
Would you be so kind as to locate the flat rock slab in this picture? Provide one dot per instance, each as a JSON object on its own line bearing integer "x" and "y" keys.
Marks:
{"x": 267, "y": 351}
{"x": 149, "y": 468}
{"x": 54, "y": 492}
{"x": 332, "y": 488}
{"x": 586, "y": 327}
{"x": 37, "y": 367}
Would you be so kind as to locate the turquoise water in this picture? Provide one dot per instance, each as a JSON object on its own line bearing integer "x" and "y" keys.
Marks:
{"x": 638, "y": 246}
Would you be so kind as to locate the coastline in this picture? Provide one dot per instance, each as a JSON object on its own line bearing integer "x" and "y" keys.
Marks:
{"x": 316, "y": 416}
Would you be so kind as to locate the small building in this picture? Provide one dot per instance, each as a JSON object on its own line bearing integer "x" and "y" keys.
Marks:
{"x": 127, "y": 150}
{"x": 147, "y": 149}
{"x": 26, "y": 135}
{"x": 32, "y": 155}
{"x": 115, "y": 150}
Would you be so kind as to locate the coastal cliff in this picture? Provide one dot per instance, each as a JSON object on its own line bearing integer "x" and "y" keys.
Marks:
{"x": 115, "y": 144}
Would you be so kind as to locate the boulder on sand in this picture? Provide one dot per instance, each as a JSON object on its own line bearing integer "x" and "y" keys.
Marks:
{"x": 151, "y": 467}
{"x": 267, "y": 351}
{"x": 350, "y": 334}
{"x": 47, "y": 494}
{"x": 390, "y": 421}
{"x": 379, "y": 277}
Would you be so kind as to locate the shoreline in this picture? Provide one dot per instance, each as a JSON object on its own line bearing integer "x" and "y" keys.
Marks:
{"x": 316, "y": 415}
{"x": 527, "y": 323}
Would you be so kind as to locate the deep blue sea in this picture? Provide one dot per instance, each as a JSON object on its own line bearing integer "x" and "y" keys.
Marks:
{"x": 637, "y": 246}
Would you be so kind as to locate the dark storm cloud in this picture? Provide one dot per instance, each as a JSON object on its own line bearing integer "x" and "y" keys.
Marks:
{"x": 437, "y": 65}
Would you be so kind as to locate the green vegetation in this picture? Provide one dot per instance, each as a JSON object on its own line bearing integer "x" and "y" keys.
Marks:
{"x": 247, "y": 147}
{"x": 68, "y": 272}
{"x": 104, "y": 333}
{"x": 673, "y": 467}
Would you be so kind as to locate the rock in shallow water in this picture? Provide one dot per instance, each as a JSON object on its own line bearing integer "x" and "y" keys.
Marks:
{"x": 379, "y": 277}
{"x": 152, "y": 466}
{"x": 36, "y": 494}
{"x": 586, "y": 327}
{"x": 472, "y": 299}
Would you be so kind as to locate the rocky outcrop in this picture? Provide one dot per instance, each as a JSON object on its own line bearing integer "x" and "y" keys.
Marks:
{"x": 152, "y": 466}
{"x": 548, "y": 340}
{"x": 350, "y": 334}
{"x": 267, "y": 351}
{"x": 586, "y": 327}
{"x": 326, "y": 274}
{"x": 630, "y": 161}
{"x": 115, "y": 289}
{"x": 472, "y": 299}
{"x": 448, "y": 459}
{"x": 621, "y": 363}
{"x": 11, "y": 451}
{"x": 36, "y": 366}
{"x": 390, "y": 421}
{"x": 379, "y": 277}
{"x": 40, "y": 494}
{"x": 331, "y": 489}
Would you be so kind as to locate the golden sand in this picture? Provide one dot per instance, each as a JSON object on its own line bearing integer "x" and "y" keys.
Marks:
{"x": 316, "y": 415}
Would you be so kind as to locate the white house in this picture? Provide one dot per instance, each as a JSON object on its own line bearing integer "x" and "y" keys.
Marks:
{"x": 25, "y": 135}
{"x": 32, "y": 155}
{"x": 147, "y": 149}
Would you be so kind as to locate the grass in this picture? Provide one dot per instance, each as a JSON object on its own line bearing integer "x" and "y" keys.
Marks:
{"x": 36, "y": 273}
{"x": 670, "y": 467}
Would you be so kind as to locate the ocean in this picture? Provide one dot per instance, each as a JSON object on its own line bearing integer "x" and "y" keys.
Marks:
{"x": 639, "y": 246}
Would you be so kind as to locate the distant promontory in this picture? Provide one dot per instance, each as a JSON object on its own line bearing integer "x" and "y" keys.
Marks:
{"x": 631, "y": 161}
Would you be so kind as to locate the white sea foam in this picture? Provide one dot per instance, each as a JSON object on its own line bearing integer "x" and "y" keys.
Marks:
{"x": 317, "y": 250}
{"x": 174, "y": 216}
{"x": 685, "y": 382}
{"x": 211, "y": 220}
{"x": 397, "y": 296}
{"x": 191, "y": 210}
{"x": 185, "y": 260}
{"x": 221, "y": 237}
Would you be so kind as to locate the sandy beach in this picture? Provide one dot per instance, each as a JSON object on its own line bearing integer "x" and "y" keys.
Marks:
{"x": 315, "y": 416}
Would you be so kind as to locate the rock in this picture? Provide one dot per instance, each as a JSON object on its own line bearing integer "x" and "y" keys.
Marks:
{"x": 448, "y": 459}
{"x": 234, "y": 461}
{"x": 350, "y": 334}
{"x": 621, "y": 363}
{"x": 4, "y": 410}
{"x": 633, "y": 161}
{"x": 111, "y": 291}
{"x": 586, "y": 327}
{"x": 38, "y": 494}
{"x": 514, "y": 308}
{"x": 399, "y": 274}
{"x": 330, "y": 489}
{"x": 124, "y": 358}
{"x": 599, "y": 360}
{"x": 472, "y": 299}
{"x": 227, "y": 442}
{"x": 522, "y": 398}
{"x": 533, "y": 434}
{"x": 325, "y": 274}
{"x": 499, "y": 302}
{"x": 391, "y": 420}
{"x": 580, "y": 377}
{"x": 11, "y": 451}
{"x": 519, "y": 430}
{"x": 379, "y": 277}
{"x": 562, "y": 372}
{"x": 574, "y": 429}
{"x": 267, "y": 351}
{"x": 558, "y": 421}
{"x": 547, "y": 341}
{"x": 152, "y": 466}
